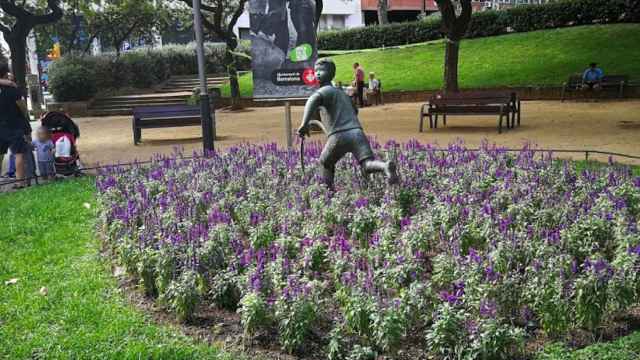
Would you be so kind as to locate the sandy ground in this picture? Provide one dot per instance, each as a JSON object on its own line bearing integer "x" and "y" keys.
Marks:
{"x": 608, "y": 126}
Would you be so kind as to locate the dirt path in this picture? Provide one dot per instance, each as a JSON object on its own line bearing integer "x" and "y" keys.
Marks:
{"x": 610, "y": 126}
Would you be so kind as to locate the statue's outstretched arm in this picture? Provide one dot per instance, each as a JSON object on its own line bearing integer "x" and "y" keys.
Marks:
{"x": 314, "y": 102}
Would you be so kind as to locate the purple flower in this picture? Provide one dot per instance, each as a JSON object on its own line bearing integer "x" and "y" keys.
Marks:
{"x": 488, "y": 308}
{"x": 473, "y": 256}
{"x": 634, "y": 250}
{"x": 157, "y": 174}
{"x": 361, "y": 202}
{"x": 490, "y": 274}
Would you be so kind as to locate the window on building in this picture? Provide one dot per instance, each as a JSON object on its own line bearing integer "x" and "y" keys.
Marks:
{"x": 338, "y": 22}
{"x": 323, "y": 23}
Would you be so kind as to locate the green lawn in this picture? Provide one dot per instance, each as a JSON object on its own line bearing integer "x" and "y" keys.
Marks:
{"x": 47, "y": 239}
{"x": 534, "y": 58}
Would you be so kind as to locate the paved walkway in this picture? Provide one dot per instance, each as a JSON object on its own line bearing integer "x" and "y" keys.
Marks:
{"x": 610, "y": 126}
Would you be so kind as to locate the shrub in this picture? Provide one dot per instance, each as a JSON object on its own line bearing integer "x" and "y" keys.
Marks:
{"x": 72, "y": 80}
{"x": 487, "y": 23}
{"x": 75, "y": 78}
{"x": 183, "y": 295}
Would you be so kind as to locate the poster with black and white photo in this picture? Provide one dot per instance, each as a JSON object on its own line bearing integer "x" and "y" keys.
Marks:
{"x": 283, "y": 47}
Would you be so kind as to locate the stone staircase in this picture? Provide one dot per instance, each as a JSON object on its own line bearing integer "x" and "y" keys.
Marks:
{"x": 176, "y": 91}
{"x": 188, "y": 83}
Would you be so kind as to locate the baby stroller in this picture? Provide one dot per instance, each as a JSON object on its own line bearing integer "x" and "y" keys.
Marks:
{"x": 64, "y": 134}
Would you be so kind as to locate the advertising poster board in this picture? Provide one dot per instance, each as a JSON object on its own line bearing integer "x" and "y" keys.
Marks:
{"x": 283, "y": 47}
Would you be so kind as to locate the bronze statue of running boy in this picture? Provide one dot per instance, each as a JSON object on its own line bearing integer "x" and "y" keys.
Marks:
{"x": 343, "y": 129}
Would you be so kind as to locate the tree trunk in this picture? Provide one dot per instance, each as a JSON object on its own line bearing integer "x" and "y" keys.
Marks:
{"x": 451, "y": 55}
{"x": 383, "y": 12}
{"x": 18, "y": 48}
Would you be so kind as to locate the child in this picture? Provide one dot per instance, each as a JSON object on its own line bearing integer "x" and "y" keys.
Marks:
{"x": 344, "y": 132}
{"x": 45, "y": 153}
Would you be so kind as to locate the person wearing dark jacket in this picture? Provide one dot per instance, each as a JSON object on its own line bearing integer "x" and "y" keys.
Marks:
{"x": 13, "y": 125}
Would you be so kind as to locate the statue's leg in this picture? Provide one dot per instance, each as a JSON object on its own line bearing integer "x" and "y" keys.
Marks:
{"x": 361, "y": 149}
{"x": 330, "y": 156}
{"x": 371, "y": 166}
{"x": 328, "y": 176}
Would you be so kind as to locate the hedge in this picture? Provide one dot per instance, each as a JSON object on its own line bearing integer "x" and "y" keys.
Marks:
{"x": 78, "y": 78}
{"x": 487, "y": 23}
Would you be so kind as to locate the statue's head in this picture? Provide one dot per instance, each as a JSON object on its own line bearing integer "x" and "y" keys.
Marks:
{"x": 325, "y": 70}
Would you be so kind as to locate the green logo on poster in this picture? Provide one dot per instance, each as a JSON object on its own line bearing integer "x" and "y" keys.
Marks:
{"x": 301, "y": 53}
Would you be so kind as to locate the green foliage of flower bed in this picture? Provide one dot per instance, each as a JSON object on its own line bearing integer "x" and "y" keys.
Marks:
{"x": 77, "y": 78}
{"x": 487, "y": 23}
{"x": 473, "y": 255}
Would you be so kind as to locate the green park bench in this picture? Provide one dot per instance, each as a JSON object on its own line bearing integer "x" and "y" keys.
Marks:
{"x": 505, "y": 105}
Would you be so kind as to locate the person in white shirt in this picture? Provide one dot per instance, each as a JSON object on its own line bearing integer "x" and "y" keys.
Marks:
{"x": 373, "y": 92}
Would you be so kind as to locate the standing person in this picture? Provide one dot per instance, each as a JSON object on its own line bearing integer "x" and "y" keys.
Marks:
{"x": 45, "y": 153}
{"x": 29, "y": 164}
{"x": 12, "y": 124}
{"x": 303, "y": 19}
{"x": 278, "y": 24}
{"x": 592, "y": 78}
{"x": 358, "y": 79}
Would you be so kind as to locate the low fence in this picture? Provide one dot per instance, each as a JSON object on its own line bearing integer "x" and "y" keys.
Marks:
{"x": 588, "y": 156}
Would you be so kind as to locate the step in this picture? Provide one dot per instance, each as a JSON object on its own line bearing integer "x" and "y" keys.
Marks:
{"x": 126, "y": 106}
{"x": 105, "y": 102}
{"x": 146, "y": 97}
{"x": 195, "y": 76}
{"x": 210, "y": 83}
{"x": 112, "y": 112}
{"x": 196, "y": 82}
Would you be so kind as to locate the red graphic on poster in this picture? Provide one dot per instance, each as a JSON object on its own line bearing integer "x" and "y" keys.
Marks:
{"x": 309, "y": 77}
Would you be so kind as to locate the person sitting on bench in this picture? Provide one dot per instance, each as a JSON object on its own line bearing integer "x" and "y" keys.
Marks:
{"x": 373, "y": 91}
{"x": 592, "y": 78}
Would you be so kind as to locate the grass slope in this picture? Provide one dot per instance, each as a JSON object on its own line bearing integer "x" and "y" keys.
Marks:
{"x": 535, "y": 58}
{"x": 47, "y": 239}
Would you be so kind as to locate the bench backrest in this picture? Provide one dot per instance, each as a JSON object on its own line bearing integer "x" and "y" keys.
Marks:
{"x": 576, "y": 79}
{"x": 615, "y": 78}
{"x": 473, "y": 98}
{"x": 165, "y": 111}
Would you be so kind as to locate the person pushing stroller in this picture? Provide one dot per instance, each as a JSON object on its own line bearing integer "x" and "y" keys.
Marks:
{"x": 343, "y": 129}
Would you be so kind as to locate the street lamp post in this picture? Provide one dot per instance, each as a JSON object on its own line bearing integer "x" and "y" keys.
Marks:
{"x": 208, "y": 118}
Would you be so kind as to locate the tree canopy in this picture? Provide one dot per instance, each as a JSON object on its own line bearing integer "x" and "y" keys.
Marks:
{"x": 17, "y": 20}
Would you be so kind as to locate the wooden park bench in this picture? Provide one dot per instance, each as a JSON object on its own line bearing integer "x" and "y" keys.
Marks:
{"x": 153, "y": 117}
{"x": 616, "y": 82}
{"x": 503, "y": 104}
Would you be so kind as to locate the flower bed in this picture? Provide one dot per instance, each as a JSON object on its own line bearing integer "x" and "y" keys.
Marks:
{"x": 474, "y": 253}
